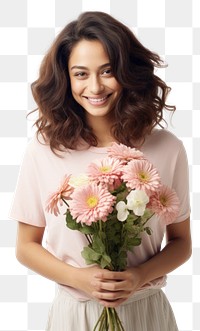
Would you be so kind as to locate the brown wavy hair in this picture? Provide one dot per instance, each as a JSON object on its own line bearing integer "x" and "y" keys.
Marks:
{"x": 62, "y": 120}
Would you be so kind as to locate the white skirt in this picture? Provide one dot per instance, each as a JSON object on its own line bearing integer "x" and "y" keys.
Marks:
{"x": 148, "y": 310}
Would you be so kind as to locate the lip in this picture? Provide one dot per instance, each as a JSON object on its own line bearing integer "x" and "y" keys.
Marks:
{"x": 98, "y": 101}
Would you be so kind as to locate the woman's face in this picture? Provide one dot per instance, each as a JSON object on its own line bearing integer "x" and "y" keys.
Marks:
{"x": 92, "y": 83}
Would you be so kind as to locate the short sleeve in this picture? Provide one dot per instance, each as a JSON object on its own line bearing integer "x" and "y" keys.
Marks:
{"x": 181, "y": 184}
{"x": 27, "y": 206}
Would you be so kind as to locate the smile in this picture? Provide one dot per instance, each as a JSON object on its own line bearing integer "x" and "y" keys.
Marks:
{"x": 98, "y": 101}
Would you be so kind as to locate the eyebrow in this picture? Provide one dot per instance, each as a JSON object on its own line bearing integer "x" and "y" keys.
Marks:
{"x": 85, "y": 68}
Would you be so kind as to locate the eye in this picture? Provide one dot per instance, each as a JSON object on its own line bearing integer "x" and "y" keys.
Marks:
{"x": 107, "y": 72}
{"x": 80, "y": 74}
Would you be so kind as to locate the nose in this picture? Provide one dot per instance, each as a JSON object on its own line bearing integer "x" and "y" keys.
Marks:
{"x": 96, "y": 85}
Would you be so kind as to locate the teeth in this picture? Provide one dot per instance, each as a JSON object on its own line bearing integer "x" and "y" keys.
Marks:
{"x": 97, "y": 100}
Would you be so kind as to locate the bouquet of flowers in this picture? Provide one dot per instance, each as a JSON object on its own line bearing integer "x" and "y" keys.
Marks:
{"x": 111, "y": 204}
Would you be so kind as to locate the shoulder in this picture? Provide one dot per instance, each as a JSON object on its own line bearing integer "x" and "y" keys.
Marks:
{"x": 38, "y": 154}
{"x": 38, "y": 148}
{"x": 161, "y": 138}
{"x": 162, "y": 146}
{"x": 163, "y": 135}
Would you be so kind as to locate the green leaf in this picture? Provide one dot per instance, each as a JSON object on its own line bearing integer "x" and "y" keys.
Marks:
{"x": 105, "y": 261}
{"x": 148, "y": 230}
{"x": 131, "y": 242}
{"x": 134, "y": 241}
{"x": 98, "y": 245}
{"x": 71, "y": 223}
{"x": 90, "y": 255}
{"x": 132, "y": 217}
{"x": 85, "y": 229}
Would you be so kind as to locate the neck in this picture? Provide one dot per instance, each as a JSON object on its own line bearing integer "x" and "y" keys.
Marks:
{"x": 101, "y": 127}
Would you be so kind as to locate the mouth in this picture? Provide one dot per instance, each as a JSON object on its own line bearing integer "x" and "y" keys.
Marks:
{"x": 98, "y": 101}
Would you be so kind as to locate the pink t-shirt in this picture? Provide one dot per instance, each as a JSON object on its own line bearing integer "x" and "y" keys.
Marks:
{"x": 42, "y": 171}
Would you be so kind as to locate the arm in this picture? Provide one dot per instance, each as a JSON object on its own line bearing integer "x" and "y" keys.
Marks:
{"x": 109, "y": 288}
{"x": 175, "y": 253}
{"x": 29, "y": 252}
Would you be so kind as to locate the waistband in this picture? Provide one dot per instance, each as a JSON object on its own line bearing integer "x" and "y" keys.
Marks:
{"x": 142, "y": 294}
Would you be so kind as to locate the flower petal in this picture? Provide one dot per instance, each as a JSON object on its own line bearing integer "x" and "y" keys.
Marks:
{"x": 122, "y": 211}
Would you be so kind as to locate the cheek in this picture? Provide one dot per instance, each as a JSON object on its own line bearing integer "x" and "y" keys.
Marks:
{"x": 76, "y": 86}
{"x": 118, "y": 89}
{"x": 116, "y": 86}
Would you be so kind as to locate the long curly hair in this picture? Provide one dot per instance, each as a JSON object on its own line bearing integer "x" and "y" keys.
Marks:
{"x": 62, "y": 121}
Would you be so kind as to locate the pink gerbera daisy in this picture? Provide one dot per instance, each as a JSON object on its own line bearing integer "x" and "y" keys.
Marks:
{"x": 63, "y": 192}
{"x": 141, "y": 175}
{"x": 165, "y": 204}
{"x": 91, "y": 203}
{"x": 124, "y": 153}
{"x": 106, "y": 171}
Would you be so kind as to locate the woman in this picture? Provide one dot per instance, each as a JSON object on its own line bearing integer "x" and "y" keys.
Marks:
{"x": 97, "y": 85}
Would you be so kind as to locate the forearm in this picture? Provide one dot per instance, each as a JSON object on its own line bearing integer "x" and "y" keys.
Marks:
{"x": 32, "y": 254}
{"x": 38, "y": 259}
{"x": 175, "y": 253}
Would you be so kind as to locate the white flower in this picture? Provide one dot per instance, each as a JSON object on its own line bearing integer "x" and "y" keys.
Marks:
{"x": 78, "y": 181}
{"x": 136, "y": 201}
{"x": 122, "y": 211}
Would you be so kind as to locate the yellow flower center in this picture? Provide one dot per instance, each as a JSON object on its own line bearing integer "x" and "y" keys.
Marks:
{"x": 105, "y": 169}
{"x": 92, "y": 201}
{"x": 143, "y": 176}
{"x": 163, "y": 200}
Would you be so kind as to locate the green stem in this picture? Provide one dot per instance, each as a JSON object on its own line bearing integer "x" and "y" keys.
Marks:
{"x": 139, "y": 231}
{"x": 88, "y": 238}
{"x": 110, "y": 319}
{"x": 65, "y": 201}
{"x": 148, "y": 219}
{"x": 118, "y": 321}
{"x": 100, "y": 226}
{"x": 100, "y": 321}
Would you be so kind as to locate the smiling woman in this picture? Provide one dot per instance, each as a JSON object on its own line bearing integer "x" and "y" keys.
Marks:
{"x": 98, "y": 98}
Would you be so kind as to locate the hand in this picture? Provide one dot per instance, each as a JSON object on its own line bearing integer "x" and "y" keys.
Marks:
{"x": 113, "y": 288}
{"x": 84, "y": 279}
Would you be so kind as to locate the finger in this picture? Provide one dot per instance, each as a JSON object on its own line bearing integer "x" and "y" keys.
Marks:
{"x": 111, "y": 296}
{"x": 112, "y": 286}
{"x": 110, "y": 275}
